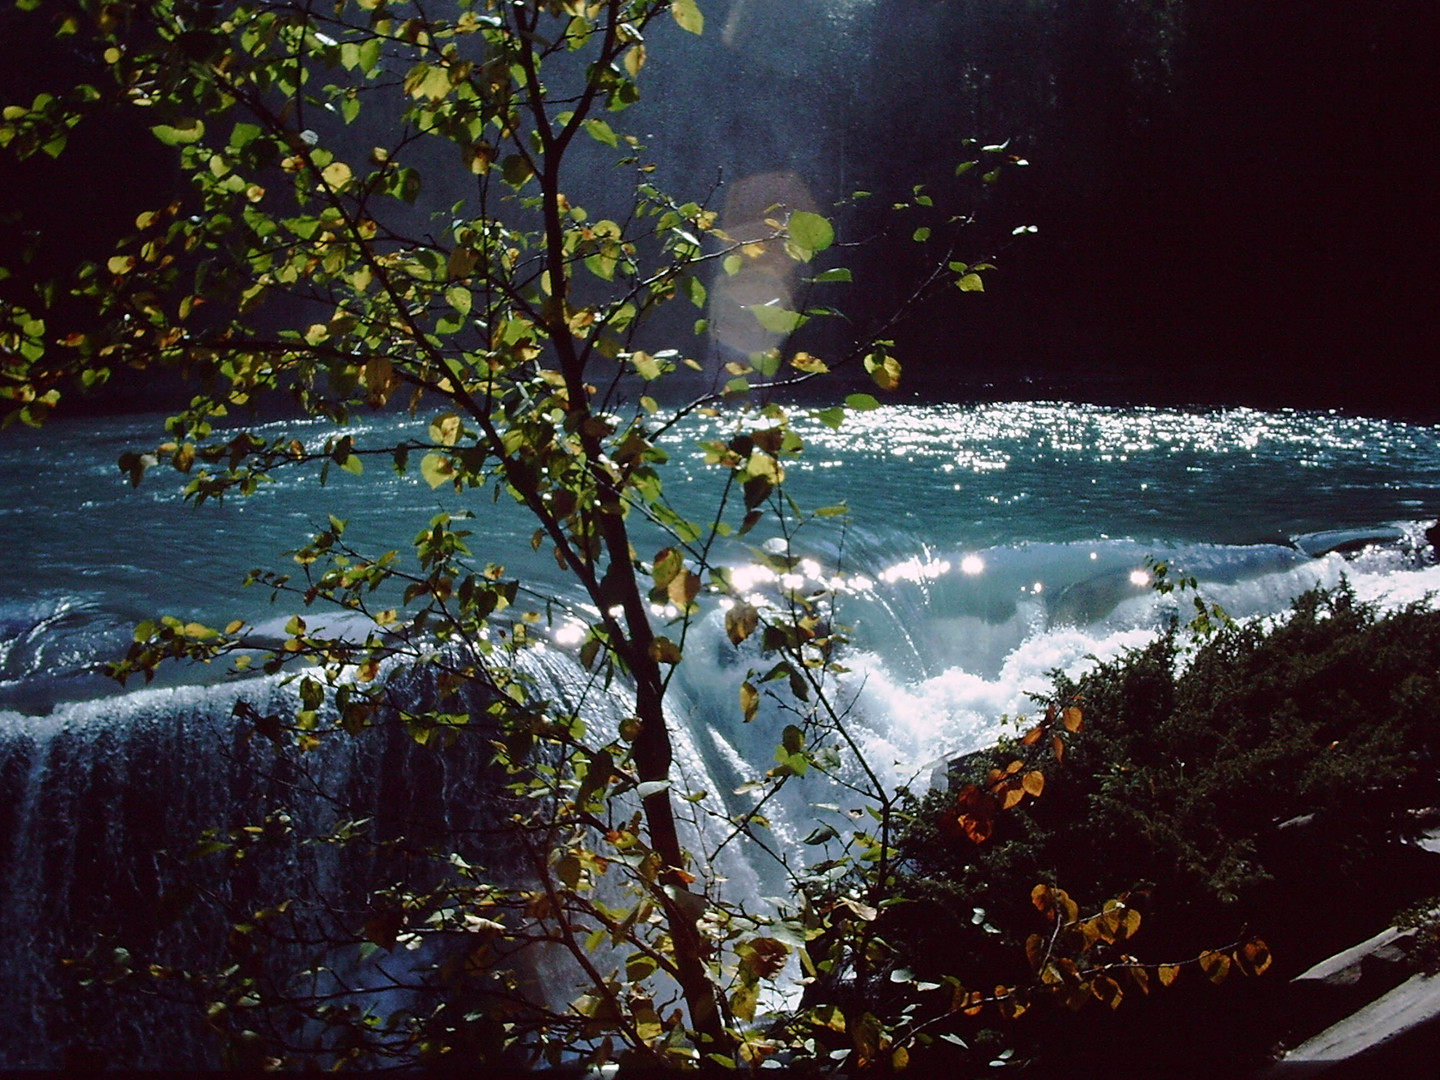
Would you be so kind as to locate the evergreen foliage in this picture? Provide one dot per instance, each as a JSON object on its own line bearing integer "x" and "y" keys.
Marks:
{"x": 1268, "y": 776}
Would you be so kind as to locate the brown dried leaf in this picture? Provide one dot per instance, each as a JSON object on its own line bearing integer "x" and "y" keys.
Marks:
{"x": 1035, "y": 951}
{"x": 740, "y": 622}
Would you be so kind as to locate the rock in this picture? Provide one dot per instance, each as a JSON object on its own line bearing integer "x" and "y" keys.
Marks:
{"x": 1347, "y": 968}
{"x": 1361, "y": 1012}
{"x": 1397, "y": 1029}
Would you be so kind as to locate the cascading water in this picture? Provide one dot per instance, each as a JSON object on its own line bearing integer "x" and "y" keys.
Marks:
{"x": 985, "y": 547}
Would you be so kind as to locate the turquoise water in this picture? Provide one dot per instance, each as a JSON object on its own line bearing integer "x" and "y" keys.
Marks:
{"x": 1049, "y": 498}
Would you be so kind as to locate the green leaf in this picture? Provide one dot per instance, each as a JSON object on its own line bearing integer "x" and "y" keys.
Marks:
{"x": 459, "y": 298}
{"x": 839, "y": 273}
{"x": 601, "y": 132}
{"x": 775, "y": 319}
{"x": 183, "y": 131}
{"x": 861, "y": 402}
{"x": 369, "y": 55}
{"x": 970, "y": 283}
{"x": 810, "y": 233}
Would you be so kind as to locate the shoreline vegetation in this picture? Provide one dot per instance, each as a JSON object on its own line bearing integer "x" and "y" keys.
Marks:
{"x": 1272, "y": 778}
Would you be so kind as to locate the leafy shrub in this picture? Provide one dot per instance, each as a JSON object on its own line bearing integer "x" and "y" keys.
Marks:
{"x": 1264, "y": 779}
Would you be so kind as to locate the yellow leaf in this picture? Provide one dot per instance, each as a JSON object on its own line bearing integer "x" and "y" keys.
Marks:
{"x": 436, "y": 469}
{"x": 803, "y": 361}
{"x": 683, "y": 589}
{"x": 1072, "y": 718}
{"x": 1168, "y": 973}
{"x": 749, "y": 700}
{"x": 1129, "y": 923}
{"x": 1034, "y": 783}
{"x": 445, "y": 429}
{"x": 1107, "y": 990}
{"x": 1216, "y": 965}
{"x": 1011, "y": 798}
{"x": 337, "y": 174}
{"x": 687, "y": 14}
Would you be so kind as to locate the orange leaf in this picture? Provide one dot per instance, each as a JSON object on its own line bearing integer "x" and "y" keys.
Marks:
{"x": 976, "y": 828}
{"x": 1072, "y": 718}
{"x": 1033, "y": 736}
{"x": 1058, "y": 745}
{"x": 1014, "y": 767}
{"x": 1011, "y": 798}
{"x": 1040, "y": 897}
{"x": 1034, "y": 782}
{"x": 975, "y": 813}
{"x": 974, "y": 1003}
{"x": 1254, "y": 957}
